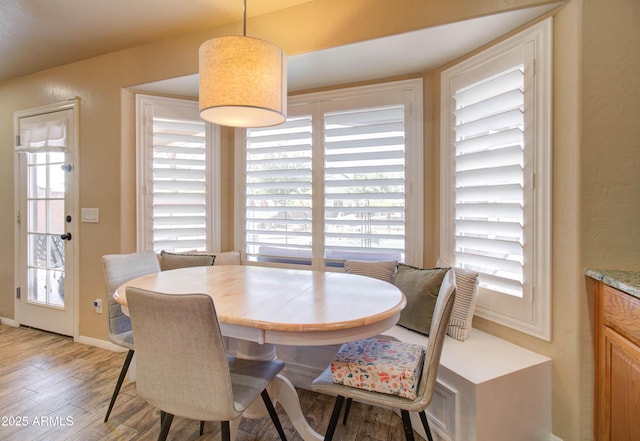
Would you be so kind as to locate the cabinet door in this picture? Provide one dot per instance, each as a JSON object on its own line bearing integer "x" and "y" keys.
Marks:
{"x": 621, "y": 400}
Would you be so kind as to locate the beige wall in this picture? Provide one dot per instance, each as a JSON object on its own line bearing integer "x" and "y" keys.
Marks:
{"x": 610, "y": 129}
{"x": 610, "y": 150}
{"x": 596, "y": 213}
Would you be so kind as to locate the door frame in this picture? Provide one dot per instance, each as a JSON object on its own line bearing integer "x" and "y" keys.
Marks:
{"x": 74, "y": 105}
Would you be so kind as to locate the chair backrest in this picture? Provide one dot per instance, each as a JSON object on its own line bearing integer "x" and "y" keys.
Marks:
{"x": 118, "y": 269}
{"x": 182, "y": 365}
{"x": 437, "y": 332}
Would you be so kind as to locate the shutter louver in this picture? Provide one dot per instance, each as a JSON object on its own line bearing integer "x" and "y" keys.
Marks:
{"x": 364, "y": 184}
{"x": 178, "y": 184}
{"x": 278, "y": 192}
{"x": 489, "y": 179}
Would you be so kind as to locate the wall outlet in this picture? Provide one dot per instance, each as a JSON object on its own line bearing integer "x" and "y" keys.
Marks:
{"x": 97, "y": 303}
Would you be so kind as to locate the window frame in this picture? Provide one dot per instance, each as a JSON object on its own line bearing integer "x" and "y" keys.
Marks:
{"x": 212, "y": 139}
{"x": 530, "y": 314}
{"x": 319, "y": 103}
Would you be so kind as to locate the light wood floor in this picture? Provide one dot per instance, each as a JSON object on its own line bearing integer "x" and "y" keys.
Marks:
{"x": 54, "y": 389}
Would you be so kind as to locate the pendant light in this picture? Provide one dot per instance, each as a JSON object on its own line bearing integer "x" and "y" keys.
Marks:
{"x": 243, "y": 81}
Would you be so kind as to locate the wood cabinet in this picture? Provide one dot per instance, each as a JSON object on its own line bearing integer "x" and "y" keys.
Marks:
{"x": 617, "y": 369}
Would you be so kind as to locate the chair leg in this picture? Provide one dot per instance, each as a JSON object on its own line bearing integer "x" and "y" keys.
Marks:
{"x": 166, "y": 419}
{"x": 346, "y": 411}
{"x": 123, "y": 372}
{"x": 333, "y": 422}
{"x": 272, "y": 413}
{"x": 225, "y": 430}
{"x": 425, "y": 424}
{"x": 406, "y": 423}
{"x": 201, "y": 428}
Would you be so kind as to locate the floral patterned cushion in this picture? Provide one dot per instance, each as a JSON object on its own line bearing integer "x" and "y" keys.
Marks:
{"x": 380, "y": 365}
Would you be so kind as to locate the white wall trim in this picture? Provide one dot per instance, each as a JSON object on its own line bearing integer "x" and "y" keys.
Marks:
{"x": 8, "y": 322}
{"x": 554, "y": 438}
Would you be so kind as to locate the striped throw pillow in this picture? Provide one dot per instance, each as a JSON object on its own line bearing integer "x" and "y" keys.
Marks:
{"x": 464, "y": 303}
{"x": 170, "y": 261}
{"x": 384, "y": 270}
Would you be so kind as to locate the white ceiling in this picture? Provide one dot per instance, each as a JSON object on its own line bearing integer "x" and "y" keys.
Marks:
{"x": 407, "y": 53}
{"x": 39, "y": 34}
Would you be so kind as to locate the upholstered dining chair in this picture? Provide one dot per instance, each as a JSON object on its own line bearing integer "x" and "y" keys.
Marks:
{"x": 441, "y": 315}
{"x": 118, "y": 269}
{"x": 182, "y": 364}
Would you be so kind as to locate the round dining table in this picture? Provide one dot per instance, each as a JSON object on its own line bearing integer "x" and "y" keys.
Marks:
{"x": 260, "y": 307}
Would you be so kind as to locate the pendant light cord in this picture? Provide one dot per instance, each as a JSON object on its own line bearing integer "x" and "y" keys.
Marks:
{"x": 244, "y": 18}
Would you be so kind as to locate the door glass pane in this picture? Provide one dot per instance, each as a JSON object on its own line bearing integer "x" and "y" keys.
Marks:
{"x": 56, "y": 252}
{"x": 56, "y": 179}
{"x": 56, "y": 216}
{"x": 36, "y": 216}
{"x": 37, "y": 250}
{"x": 45, "y": 224}
{"x": 37, "y": 285}
{"x": 37, "y": 179}
{"x": 38, "y": 158}
{"x": 56, "y": 288}
{"x": 56, "y": 158}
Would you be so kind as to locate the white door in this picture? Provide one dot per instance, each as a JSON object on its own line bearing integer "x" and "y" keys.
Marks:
{"x": 46, "y": 143}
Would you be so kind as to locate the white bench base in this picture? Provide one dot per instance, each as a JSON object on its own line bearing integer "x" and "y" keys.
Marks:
{"x": 487, "y": 389}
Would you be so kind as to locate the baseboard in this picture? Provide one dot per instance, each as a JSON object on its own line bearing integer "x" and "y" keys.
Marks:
{"x": 8, "y": 322}
{"x": 554, "y": 438}
{"x": 103, "y": 344}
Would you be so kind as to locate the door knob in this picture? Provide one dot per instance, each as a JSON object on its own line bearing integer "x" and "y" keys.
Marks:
{"x": 66, "y": 236}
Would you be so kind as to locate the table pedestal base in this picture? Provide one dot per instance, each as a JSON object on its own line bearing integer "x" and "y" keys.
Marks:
{"x": 285, "y": 393}
{"x": 281, "y": 390}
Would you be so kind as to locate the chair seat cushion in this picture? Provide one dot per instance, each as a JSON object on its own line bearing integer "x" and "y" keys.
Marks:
{"x": 124, "y": 339}
{"x": 379, "y": 365}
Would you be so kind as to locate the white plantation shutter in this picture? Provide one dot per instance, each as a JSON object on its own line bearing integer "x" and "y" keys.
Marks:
{"x": 176, "y": 176}
{"x": 489, "y": 180}
{"x": 340, "y": 180}
{"x": 364, "y": 184}
{"x": 496, "y": 177}
{"x": 278, "y": 192}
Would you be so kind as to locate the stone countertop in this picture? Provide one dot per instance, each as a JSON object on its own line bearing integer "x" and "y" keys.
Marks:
{"x": 627, "y": 281}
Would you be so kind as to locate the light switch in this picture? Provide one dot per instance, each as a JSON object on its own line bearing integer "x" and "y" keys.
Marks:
{"x": 90, "y": 215}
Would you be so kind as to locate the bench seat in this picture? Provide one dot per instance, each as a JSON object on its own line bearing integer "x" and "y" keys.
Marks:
{"x": 487, "y": 388}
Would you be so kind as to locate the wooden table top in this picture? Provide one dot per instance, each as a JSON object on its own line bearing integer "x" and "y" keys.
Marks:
{"x": 276, "y": 299}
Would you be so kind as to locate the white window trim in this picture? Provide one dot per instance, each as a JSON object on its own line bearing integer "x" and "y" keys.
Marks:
{"x": 414, "y": 165}
{"x": 213, "y": 177}
{"x": 537, "y": 302}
